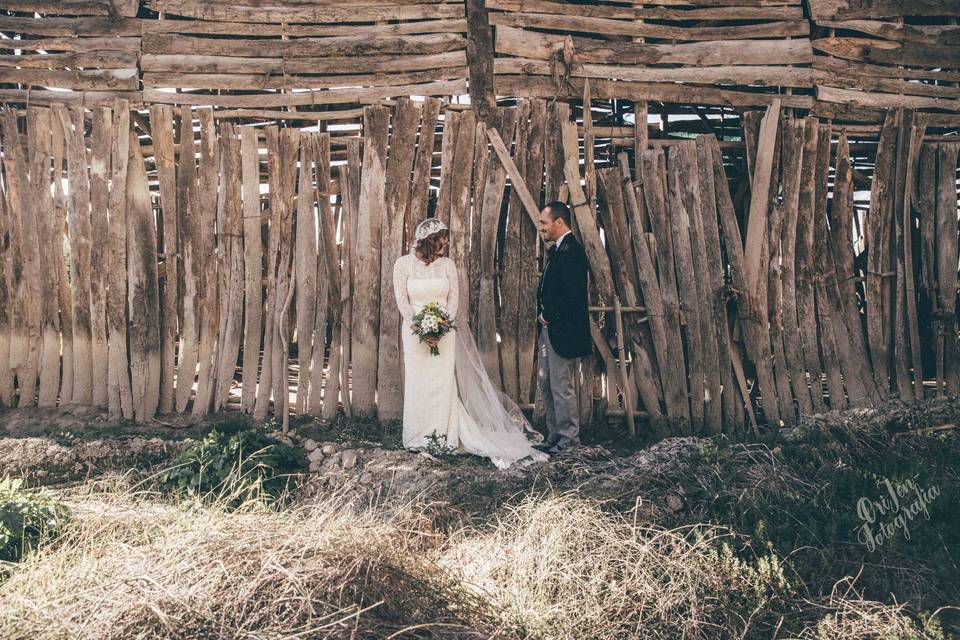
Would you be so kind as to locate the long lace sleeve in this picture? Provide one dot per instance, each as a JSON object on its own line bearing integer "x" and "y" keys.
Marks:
{"x": 401, "y": 273}
{"x": 453, "y": 295}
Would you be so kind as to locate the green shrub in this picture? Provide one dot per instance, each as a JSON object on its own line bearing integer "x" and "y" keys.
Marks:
{"x": 26, "y": 520}
{"x": 235, "y": 468}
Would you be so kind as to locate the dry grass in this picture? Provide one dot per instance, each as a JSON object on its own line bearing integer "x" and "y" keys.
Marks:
{"x": 135, "y": 567}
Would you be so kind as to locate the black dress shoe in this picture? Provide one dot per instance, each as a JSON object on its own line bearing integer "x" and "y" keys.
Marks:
{"x": 549, "y": 443}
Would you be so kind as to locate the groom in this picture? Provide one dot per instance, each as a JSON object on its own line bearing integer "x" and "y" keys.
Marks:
{"x": 564, "y": 326}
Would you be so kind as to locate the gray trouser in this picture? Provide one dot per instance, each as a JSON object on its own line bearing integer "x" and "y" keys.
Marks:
{"x": 557, "y": 376}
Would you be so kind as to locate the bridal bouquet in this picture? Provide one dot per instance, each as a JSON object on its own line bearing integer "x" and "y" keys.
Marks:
{"x": 433, "y": 321}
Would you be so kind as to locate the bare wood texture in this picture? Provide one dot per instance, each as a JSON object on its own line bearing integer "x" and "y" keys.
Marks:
{"x": 328, "y": 269}
{"x": 655, "y": 196}
{"x": 398, "y": 174}
{"x": 39, "y": 150}
{"x": 220, "y": 64}
{"x": 161, "y": 126}
{"x": 326, "y": 12}
{"x": 252, "y": 261}
{"x": 946, "y": 257}
{"x": 878, "y": 234}
{"x": 806, "y": 298}
{"x": 230, "y": 265}
{"x": 100, "y": 137}
{"x": 204, "y": 208}
{"x": 143, "y": 295}
{"x": 366, "y": 301}
{"x": 480, "y": 55}
{"x": 78, "y": 220}
{"x": 119, "y": 391}
{"x": 541, "y": 46}
{"x": 25, "y": 337}
{"x": 305, "y": 256}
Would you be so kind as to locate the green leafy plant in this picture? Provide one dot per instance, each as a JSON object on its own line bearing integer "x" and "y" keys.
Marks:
{"x": 27, "y": 519}
{"x": 235, "y": 468}
{"x": 438, "y": 448}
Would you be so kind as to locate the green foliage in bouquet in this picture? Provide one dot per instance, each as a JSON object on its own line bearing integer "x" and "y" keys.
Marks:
{"x": 432, "y": 321}
{"x": 27, "y": 519}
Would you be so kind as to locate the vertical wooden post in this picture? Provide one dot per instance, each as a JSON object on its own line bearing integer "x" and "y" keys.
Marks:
{"x": 625, "y": 383}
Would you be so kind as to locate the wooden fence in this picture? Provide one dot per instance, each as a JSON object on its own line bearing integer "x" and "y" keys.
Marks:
{"x": 224, "y": 266}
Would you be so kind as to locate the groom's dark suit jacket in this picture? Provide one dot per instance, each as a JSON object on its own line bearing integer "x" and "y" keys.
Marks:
{"x": 562, "y": 299}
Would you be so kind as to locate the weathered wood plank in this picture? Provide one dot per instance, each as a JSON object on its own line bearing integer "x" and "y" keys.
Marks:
{"x": 316, "y": 97}
{"x": 78, "y": 221}
{"x": 350, "y": 185}
{"x": 266, "y": 383}
{"x": 654, "y": 193}
{"x": 39, "y": 150}
{"x": 87, "y": 79}
{"x": 422, "y": 168}
{"x": 326, "y": 12}
{"x": 265, "y": 82}
{"x": 529, "y": 240}
{"x": 252, "y": 266}
{"x": 585, "y": 216}
{"x": 218, "y": 64}
{"x": 122, "y": 8}
{"x": 769, "y": 76}
{"x": 189, "y": 225}
{"x": 204, "y": 207}
{"x": 481, "y": 161}
{"x": 624, "y": 268}
{"x": 462, "y": 178}
{"x": 7, "y": 293}
{"x": 806, "y": 300}
{"x": 844, "y": 9}
{"x": 698, "y": 246}
{"x": 512, "y": 247}
{"x": 918, "y": 128}
{"x": 543, "y": 87}
{"x": 946, "y": 260}
{"x": 143, "y": 295}
{"x": 832, "y": 333}
{"x": 542, "y": 46}
{"x": 81, "y": 45}
{"x": 878, "y": 233}
{"x": 791, "y": 166}
{"x": 679, "y": 217}
{"x": 841, "y": 227}
{"x": 366, "y": 300}
{"x": 25, "y": 337}
{"x": 100, "y": 137}
{"x": 752, "y": 12}
{"x": 480, "y": 58}
{"x": 396, "y": 197}
{"x": 175, "y": 44}
{"x": 714, "y": 286}
{"x": 60, "y": 238}
{"x": 283, "y": 180}
{"x": 230, "y": 265}
{"x": 87, "y": 60}
{"x": 119, "y": 392}
{"x": 451, "y": 125}
{"x": 305, "y": 258}
{"x": 888, "y": 52}
{"x": 329, "y": 269}
{"x": 161, "y": 128}
{"x": 606, "y": 26}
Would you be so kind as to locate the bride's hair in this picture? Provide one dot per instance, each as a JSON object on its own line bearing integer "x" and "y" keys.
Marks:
{"x": 428, "y": 249}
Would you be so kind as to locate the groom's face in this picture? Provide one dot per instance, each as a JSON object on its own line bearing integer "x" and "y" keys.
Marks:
{"x": 550, "y": 229}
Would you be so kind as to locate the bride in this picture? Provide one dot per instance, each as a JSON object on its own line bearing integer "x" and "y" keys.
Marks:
{"x": 450, "y": 396}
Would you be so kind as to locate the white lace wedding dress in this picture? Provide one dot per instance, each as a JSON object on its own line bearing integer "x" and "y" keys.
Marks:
{"x": 451, "y": 394}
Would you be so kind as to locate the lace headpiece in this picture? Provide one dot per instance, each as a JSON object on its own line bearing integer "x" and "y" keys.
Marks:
{"x": 428, "y": 227}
